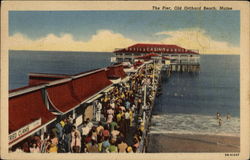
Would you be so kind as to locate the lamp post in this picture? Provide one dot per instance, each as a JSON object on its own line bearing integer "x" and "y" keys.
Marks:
{"x": 154, "y": 59}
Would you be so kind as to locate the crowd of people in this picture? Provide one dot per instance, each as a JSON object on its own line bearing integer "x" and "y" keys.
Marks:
{"x": 118, "y": 127}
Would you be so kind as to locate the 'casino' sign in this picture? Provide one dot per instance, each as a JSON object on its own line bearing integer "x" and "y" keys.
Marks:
{"x": 24, "y": 130}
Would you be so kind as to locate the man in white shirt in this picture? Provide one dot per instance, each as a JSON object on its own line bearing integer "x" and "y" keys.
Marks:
{"x": 98, "y": 111}
{"x": 85, "y": 130}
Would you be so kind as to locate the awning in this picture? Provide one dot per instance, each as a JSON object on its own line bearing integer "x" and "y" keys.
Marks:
{"x": 116, "y": 71}
{"x": 86, "y": 86}
{"x": 115, "y": 81}
{"x": 61, "y": 97}
{"x": 25, "y": 110}
{"x": 109, "y": 89}
{"x": 125, "y": 79}
{"x": 94, "y": 98}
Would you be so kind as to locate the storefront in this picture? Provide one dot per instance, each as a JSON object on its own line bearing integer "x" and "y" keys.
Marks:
{"x": 28, "y": 114}
{"x": 76, "y": 95}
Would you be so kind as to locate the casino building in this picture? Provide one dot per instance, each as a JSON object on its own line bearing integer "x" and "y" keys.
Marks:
{"x": 176, "y": 54}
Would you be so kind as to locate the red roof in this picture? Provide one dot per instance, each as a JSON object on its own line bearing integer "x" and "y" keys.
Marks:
{"x": 88, "y": 85}
{"x": 26, "y": 108}
{"x": 62, "y": 97}
{"x": 116, "y": 71}
{"x": 138, "y": 63}
{"x": 148, "y": 56}
{"x": 92, "y": 70}
{"x": 38, "y": 78}
{"x": 157, "y": 48}
{"x": 24, "y": 87}
{"x": 143, "y": 45}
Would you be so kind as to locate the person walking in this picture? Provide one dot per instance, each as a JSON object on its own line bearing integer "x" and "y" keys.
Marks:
{"x": 76, "y": 143}
{"x": 98, "y": 111}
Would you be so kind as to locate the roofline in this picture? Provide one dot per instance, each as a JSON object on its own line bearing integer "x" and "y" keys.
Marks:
{"x": 48, "y": 75}
{"x": 155, "y": 44}
{"x": 64, "y": 80}
{"x": 88, "y": 73}
{"x": 117, "y": 65}
{"x": 26, "y": 90}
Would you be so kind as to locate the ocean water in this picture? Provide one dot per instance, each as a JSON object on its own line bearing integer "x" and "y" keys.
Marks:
{"x": 189, "y": 103}
{"x": 194, "y": 124}
{"x": 23, "y": 62}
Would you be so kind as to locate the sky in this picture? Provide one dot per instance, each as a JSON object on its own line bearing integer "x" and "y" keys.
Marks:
{"x": 210, "y": 32}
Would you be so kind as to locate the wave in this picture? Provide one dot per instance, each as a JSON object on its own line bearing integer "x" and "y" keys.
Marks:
{"x": 194, "y": 124}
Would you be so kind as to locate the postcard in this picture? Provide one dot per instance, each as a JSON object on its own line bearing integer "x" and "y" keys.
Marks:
{"x": 124, "y": 80}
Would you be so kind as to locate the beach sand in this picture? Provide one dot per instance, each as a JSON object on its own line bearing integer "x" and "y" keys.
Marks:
{"x": 192, "y": 143}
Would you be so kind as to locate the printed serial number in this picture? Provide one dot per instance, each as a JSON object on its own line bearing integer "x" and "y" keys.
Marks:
{"x": 232, "y": 154}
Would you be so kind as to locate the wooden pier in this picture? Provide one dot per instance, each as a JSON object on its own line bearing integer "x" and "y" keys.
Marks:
{"x": 184, "y": 68}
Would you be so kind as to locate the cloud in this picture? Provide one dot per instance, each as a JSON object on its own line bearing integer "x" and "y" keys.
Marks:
{"x": 107, "y": 41}
{"x": 103, "y": 40}
{"x": 196, "y": 38}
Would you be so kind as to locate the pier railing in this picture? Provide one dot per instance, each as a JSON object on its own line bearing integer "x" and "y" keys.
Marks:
{"x": 145, "y": 139}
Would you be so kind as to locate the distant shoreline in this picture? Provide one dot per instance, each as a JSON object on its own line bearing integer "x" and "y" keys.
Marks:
{"x": 58, "y": 51}
{"x": 192, "y": 143}
{"x": 107, "y": 52}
